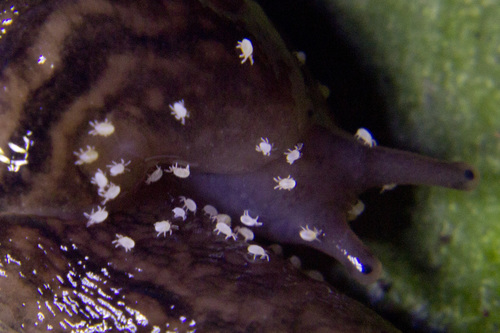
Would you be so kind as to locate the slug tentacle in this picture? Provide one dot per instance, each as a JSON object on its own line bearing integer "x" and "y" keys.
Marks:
{"x": 391, "y": 166}
{"x": 340, "y": 242}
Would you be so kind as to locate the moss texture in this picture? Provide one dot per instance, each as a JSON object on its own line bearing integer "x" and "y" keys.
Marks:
{"x": 442, "y": 59}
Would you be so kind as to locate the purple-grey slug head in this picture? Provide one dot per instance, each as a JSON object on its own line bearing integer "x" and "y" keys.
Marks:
{"x": 204, "y": 84}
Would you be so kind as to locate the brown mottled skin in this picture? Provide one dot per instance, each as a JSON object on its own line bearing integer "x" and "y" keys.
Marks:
{"x": 127, "y": 62}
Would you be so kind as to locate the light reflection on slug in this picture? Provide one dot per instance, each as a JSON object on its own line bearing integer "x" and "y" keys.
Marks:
{"x": 79, "y": 295}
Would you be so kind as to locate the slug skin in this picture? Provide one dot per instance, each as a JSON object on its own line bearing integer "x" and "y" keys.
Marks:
{"x": 86, "y": 61}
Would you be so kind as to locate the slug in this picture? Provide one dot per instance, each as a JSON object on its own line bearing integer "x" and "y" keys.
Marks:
{"x": 205, "y": 94}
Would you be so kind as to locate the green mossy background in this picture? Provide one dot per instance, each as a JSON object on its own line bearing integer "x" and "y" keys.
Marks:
{"x": 442, "y": 58}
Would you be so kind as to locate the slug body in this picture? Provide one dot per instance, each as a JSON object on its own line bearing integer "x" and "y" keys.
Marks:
{"x": 166, "y": 85}
{"x": 132, "y": 76}
{"x": 332, "y": 172}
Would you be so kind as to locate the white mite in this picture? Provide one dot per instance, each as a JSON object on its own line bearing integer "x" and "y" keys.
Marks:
{"x": 287, "y": 183}
{"x": 99, "y": 179}
{"x": 162, "y": 227}
{"x": 324, "y": 90}
{"x": 246, "y": 49}
{"x": 301, "y": 57}
{"x": 365, "y": 137}
{"x": 247, "y": 220}
{"x": 388, "y": 187}
{"x": 245, "y": 232}
{"x": 179, "y": 212}
{"x": 276, "y": 249}
{"x": 179, "y": 171}
{"x": 103, "y": 128}
{"x": 257, "y": 250}
{"x": 116, "y": 169}
{"x": 295, "y": 154}
{"x": 222, "y": 218}
{"x": 179, "y": 111}
{"x": 210, "y": 210}
{"x": 189, "y": 204}
{"x": 355, "y": 210}
{"x": 86, "y": 156}
{"x": 225, "y": 229}
{"x": 295, "y": 261}
{"x": 264, "y": 147}
{"x": 110, "y": 193}
{"x": 96, "y": 217}
{"x": 126, "y": 242}
{"x": 310, "y": 235}
{"x": 155, "y": 176}
{"x": 315, "y": 275}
